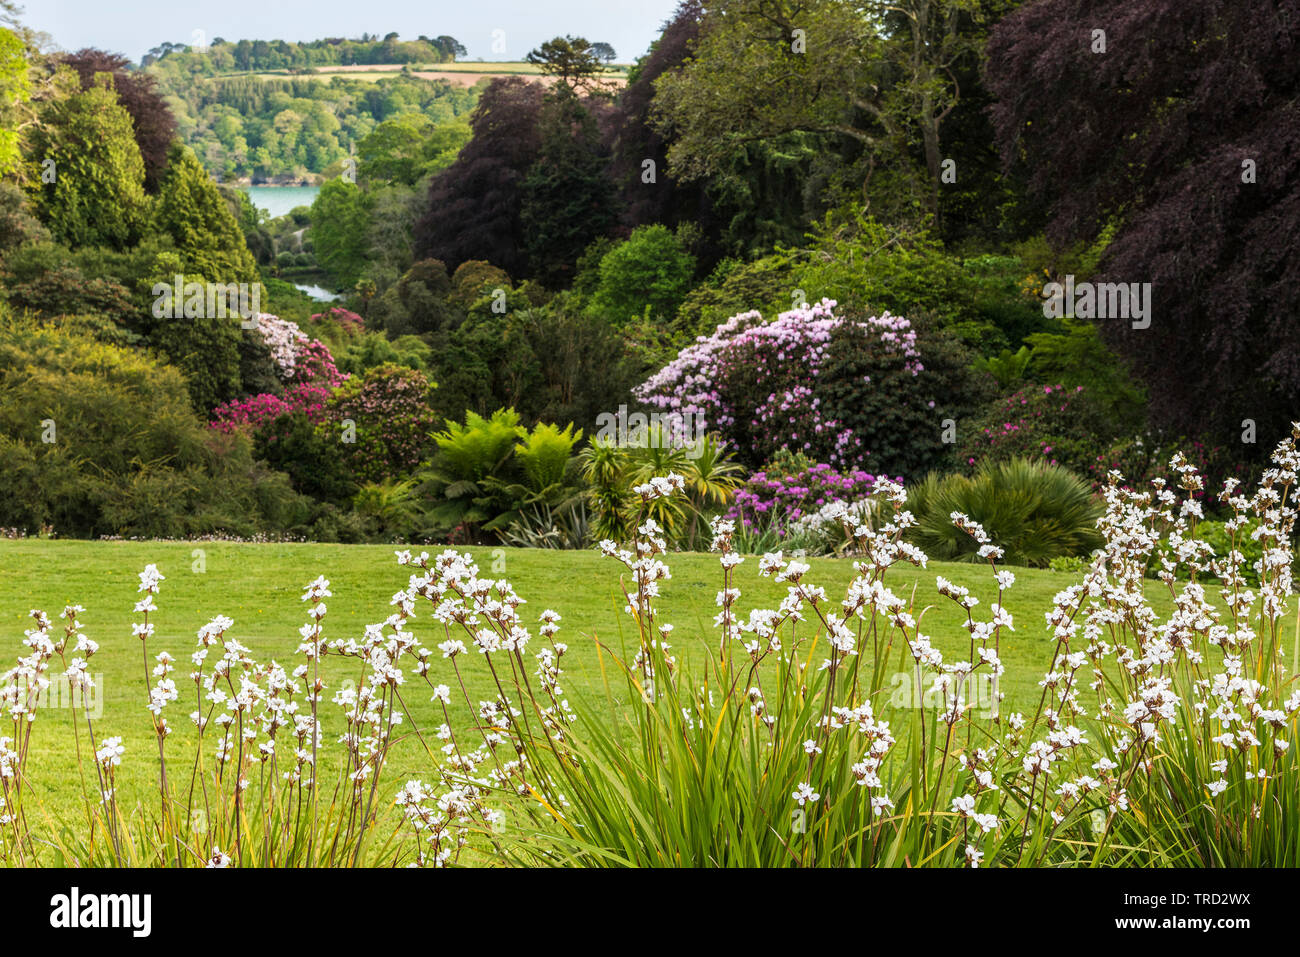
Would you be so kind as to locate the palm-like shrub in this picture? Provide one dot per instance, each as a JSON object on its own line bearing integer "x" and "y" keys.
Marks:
{"x": 603, "y": 469}
{"x": 541, "y": 482}
{"x": 473, "y": 451}
{"x": 1008, "y": 367}
{"x": 545, "y": 453}
{"x": 1034, "y": 511}
{"x": 467, "y": 455}
{"x": 711, "y": 482}
{"x": 613, "y": 469}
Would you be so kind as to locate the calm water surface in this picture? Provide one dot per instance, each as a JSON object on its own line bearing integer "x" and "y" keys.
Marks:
{"x": 278, "y": 200}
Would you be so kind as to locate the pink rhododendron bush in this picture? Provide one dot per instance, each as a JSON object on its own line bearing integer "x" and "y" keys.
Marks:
{"x": 1156, "y": 740}
{"x": 379, "y": 422}
{"x": 258, "y": 411}
{"x": 306, "y": 367}
{"x": 348, "y": 321}
{"x": 851, "y": 391}
{"x": 390, "y": 414}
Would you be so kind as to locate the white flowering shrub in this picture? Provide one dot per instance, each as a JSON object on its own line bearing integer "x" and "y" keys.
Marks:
{"x": 1154, "y": 740}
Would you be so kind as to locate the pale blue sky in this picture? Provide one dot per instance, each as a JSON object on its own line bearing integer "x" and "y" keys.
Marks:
{"x": 131, "y": 27}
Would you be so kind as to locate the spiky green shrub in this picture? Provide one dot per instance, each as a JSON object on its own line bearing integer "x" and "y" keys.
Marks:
{"x": 613, "y": 468}
{"x": 1032, "y": 510}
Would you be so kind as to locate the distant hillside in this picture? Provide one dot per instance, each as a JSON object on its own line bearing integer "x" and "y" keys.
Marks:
{"x": 291, "y": 129}
{"x": 223, "y": 56}
{"x": 275, "y": 112}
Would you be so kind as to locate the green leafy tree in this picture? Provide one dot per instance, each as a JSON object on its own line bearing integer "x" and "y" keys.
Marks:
{"x": 473, "y": 277}
{"x": 405, "y": 147}
{"x": 92, "y": 193}
{"x": 573, "y": 62}
{"x": 878, "y": 72}
{"x": 450, "y": 47}
{"x": 191, "y": 209}
{"x": 568, "y": 200}
{"x": 1079, "y": 357}
{"x": 421, "y": 301}
{"x": 206, "y": 348}
{"x": 652, "y": 271}
{"x": 340, "y": 218}
{"x": 15, "y": 91}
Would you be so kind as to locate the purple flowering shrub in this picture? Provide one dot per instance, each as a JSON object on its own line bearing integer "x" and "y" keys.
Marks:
{"x": 791, "y": 488}
{"x": 761, "y": 384}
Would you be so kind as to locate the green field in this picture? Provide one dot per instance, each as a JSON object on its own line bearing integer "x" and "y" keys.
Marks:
{"x": 259, "y": 586}
{"x": 380, "y": 71}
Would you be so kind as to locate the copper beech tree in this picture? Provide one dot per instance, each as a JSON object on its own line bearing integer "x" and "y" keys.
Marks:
{"x": 1174, "y": 124}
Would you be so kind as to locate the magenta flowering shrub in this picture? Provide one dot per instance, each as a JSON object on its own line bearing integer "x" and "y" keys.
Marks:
{"x": 348, "y": 321}
{"x": 759, "y": 382}
{"x": 776, "y": 499}
{"x": 391, "y": 420}
{"x": 307, "y": 365}
{"x": 314, "y": 364}
{"x": 1060, "y": 425}
{"x": 258, "y": 411}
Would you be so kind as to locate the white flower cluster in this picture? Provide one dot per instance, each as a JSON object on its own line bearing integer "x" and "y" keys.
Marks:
{"x": 1126, "y": 693}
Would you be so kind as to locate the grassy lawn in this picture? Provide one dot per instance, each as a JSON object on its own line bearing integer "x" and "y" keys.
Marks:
{"x": 259, "y": 586}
